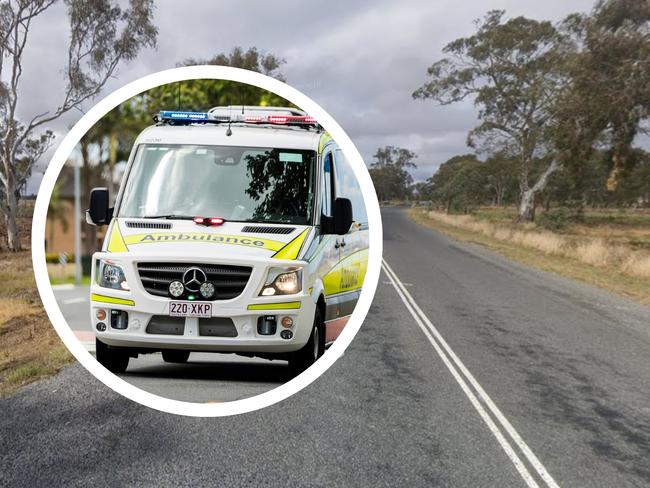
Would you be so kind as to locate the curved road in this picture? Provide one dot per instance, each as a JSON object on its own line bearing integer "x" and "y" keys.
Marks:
{"x": 469, "y": 371}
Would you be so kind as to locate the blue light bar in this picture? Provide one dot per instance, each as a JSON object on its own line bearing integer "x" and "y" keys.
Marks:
{"x": 167, "y": 115}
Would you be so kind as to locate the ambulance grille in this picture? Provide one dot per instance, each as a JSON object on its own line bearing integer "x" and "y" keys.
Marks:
{"x": 229, "y": 281}
{"x": 258, "y": 229}
{"x": 148, "y": 225}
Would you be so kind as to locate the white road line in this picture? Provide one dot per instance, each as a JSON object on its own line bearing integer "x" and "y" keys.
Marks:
{"x": 70, "y": 301}
{"x": 439, "y": 344}
{"x": 63, "y": 287}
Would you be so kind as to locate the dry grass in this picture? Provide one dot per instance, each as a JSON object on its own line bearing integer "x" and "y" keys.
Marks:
{"x": 609, "y": 257}
{"x": 14, "y": 307}
{"x": 29, "y": 346}
{"x": 595, "y": 251}
{"x": 637, "y": 266}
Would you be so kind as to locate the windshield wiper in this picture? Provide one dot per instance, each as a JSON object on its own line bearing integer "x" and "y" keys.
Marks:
{"x": 168, "y": 217}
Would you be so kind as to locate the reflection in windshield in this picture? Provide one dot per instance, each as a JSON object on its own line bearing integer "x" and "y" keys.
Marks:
{"x": 235, "y": 183}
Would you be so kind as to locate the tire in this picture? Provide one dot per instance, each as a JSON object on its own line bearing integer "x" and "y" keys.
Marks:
{"x": 113, "y": 359}
{"x": 175, "y": 356}
{"x": 314, "y": 349}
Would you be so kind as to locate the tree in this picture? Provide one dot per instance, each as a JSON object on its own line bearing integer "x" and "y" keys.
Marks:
{"x": 390, "y": 172}
{"x": 102, "y": 35}
{"x": 252, "y": 60}
{"x": 458, "y": 184}
{"x": 514, "y": 70}
{"x": 500, "y": 180}
{"x": 610, "y": 78}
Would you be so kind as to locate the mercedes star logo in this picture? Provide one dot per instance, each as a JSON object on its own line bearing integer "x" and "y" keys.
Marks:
{"x": 192, "y": 279}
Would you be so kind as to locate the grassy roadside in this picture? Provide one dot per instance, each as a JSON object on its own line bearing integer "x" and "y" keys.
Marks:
{"x": 613, "y": 258}
{"x": 29, "y": 346}
{"x": 69, "y": 280}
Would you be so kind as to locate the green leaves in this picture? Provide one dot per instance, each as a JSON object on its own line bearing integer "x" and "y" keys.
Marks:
{"x": 390, "y": 172}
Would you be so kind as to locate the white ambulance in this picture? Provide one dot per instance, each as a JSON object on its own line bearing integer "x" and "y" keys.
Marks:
{"x": 238, "y": 230}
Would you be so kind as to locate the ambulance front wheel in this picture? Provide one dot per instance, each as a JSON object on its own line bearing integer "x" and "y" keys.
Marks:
{"x": 114, "y": 360}
{"x": 310, "y": 352}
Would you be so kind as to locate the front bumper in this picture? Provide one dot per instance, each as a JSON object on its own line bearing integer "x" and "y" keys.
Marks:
{"x": 244, "y": 311}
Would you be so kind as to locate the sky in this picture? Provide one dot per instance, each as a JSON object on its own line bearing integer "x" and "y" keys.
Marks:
{"x": 359, "y": 60}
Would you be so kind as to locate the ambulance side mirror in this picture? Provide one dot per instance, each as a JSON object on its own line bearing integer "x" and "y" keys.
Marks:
{"x": 99, "y": 213}
{"x": 341, "y": 216}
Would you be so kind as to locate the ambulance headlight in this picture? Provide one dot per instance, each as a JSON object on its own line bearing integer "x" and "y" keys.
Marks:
{"x": 110, "y": 275}
{"x": 282, "y": 281}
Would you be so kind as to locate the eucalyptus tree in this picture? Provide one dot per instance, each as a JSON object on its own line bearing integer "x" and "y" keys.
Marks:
{"x": 610, "y": 96}
{"x": 513, "y": 70}
{"x": 390, "y": 172}
{"x": 103, "y": 33}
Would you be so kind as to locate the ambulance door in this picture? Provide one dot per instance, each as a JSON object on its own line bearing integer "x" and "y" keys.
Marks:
{"x": 352, "y": 259}
{"x": 331, "y": 247}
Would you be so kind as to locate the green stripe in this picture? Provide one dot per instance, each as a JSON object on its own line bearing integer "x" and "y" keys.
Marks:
{"x": 292, "y": 249}
{"x": 275, "y": 306}
{"x": 118, "y": 301}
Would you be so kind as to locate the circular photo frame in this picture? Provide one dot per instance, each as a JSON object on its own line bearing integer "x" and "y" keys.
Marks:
{"x": 123, "y": 387}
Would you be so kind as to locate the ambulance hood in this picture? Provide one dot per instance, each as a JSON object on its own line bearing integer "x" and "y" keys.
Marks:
{"x": 185, "y": 239}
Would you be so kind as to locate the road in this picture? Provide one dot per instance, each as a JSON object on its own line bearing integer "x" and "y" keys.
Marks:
{"x": 469, "y": 371}
{"x": 206, "y": 377}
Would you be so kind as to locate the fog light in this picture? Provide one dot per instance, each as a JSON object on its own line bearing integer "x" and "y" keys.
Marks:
{"x": 100, "y": 314}
{"x": 286, "y": 334}
{"x": 266, "y": 325}
{"x": 287, "y": 322}
{"x": 207, "y": 290}
{"x": 176, "y": 289}
{"x": 101, "y": 326}
{"x": 119, "y": 319}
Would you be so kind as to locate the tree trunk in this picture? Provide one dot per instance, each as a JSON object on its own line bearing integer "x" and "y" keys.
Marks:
{"x": 527, "y": 206}
{"x": 10, "y": 211}
{"x": 527, "y": 203}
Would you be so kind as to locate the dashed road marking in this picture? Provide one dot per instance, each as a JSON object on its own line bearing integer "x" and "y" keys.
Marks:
{"x": 71, "y": 301}
{"x": 66, "y": 286}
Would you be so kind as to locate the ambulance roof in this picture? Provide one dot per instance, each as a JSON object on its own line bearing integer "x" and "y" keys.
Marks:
{"x": 245, "y": 135}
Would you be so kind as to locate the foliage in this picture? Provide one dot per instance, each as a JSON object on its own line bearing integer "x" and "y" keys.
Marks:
{"x": 555, "y": 220}
{"x": 562, "y": 103}
{"x": 252, "y": 60}
{"x": 390, "y": 172}
{"x": 513, "y": 69}
{"x": 458, "y": 184}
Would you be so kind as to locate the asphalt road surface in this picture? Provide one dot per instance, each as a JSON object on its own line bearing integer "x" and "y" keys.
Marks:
{"x": 469, "y": 371}
{"x": 206, "y": 377}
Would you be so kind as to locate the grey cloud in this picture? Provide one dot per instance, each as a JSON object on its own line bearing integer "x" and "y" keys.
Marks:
{"x": 360, "y": 60}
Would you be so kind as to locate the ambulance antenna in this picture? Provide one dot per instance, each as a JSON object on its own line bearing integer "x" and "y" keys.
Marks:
{"x": 229, "y": 131}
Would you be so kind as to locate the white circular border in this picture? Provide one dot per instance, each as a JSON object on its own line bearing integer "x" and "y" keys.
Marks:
{"x": 47, "y": 294}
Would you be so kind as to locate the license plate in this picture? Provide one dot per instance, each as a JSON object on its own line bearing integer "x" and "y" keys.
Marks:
{"x": 190, "y": 309}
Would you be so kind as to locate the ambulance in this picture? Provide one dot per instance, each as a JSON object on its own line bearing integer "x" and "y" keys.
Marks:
{"x": 238, "y": 230}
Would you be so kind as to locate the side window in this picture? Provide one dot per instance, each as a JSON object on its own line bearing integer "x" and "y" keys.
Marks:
{"x": 347, "y": 186}
{"x": 327, "y": 184}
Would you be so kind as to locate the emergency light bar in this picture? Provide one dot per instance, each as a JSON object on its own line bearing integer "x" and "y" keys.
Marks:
{"x": 167, "y": 115}
{"x": 174, "y": 117}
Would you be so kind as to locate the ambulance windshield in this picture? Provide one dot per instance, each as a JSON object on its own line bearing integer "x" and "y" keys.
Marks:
{"x": 244, "y": 184}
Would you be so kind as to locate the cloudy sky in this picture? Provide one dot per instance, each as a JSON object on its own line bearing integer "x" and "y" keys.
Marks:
{"x": 359, "y": 60}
